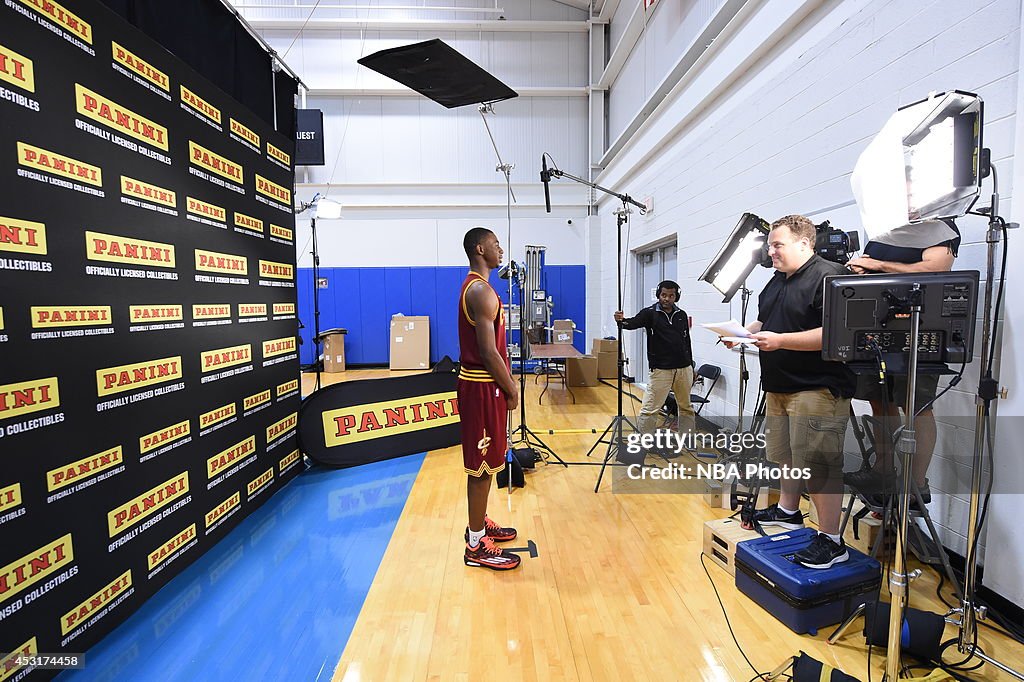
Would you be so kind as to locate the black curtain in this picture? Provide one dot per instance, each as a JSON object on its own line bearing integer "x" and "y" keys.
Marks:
{"x": 207, "y": 36}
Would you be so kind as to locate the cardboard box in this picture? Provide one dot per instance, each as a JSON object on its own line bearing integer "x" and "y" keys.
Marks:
{"x": 334, "y": 351}
{"x": 720, "y": 539}
{"x": 607, "y": 365}
{"x": 410, "y": 342}
{"x": 581, "y": 371}
{"x": 604, "y": 346}
{"x": 562, "y": 331}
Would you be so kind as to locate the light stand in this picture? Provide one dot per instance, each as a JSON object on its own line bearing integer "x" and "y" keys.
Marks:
{"x": 329, "y": 209}
{"x": 621, "y": 217}
{"x": 967, "y": 640}
{"x": 744, "y": 374}
{"x": 522, "y": 435}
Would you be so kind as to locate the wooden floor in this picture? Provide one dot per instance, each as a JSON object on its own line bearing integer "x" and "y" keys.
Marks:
{"x": 617, "y": 591}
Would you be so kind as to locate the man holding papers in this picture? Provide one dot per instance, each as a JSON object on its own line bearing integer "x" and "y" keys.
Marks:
{"x": 808, "y": 398}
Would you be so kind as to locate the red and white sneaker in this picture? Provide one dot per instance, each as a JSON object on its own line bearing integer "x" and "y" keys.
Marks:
{"x": 489, "y": 555}
{"x": 495, "y": 532}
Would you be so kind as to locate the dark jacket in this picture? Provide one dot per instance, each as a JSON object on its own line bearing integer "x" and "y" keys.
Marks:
{"x": 668, "y": 336}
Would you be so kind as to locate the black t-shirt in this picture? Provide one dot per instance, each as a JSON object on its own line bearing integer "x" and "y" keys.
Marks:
{"x": 906, "y": 254}
{"x": 794, "y": 304}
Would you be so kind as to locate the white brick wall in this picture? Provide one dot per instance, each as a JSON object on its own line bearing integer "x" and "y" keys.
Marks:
{"x": 788, "y": 145}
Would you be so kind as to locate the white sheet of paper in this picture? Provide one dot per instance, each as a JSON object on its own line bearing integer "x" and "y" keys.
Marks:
{"x": 730, "y": 328}
{"x": 739, "y": 339}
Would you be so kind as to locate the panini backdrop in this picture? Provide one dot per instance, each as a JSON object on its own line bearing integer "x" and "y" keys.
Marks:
{"x": 148, "y": 363}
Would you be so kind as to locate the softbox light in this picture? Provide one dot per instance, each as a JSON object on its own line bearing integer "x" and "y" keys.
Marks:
{"x": 924, "y": 165}
{"x": 438, "y": 71}
{"x": 327, "y": 209}
{"x": 744, "y": 249}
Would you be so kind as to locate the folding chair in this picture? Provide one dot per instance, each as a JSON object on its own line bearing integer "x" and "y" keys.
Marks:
{"x": 704, "y": 372}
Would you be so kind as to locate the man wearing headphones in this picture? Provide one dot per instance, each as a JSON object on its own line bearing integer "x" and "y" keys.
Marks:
{"x": 668, "y": 354}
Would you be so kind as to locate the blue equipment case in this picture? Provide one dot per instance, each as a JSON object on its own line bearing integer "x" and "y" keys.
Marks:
{"x": 805, "y": 599}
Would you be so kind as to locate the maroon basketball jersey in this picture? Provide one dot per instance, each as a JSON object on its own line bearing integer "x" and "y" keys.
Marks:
{"x": 472, "y": 366}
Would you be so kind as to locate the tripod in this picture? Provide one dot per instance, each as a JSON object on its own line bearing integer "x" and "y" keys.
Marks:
{"x": 614, "y": 429}
{"x": 522, "y": 435}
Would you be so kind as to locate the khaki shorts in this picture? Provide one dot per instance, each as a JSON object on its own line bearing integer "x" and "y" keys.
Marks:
{"x": 807, "y": 429}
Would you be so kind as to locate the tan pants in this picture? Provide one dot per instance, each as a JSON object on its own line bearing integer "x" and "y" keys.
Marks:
{"x": 661, "y": 382}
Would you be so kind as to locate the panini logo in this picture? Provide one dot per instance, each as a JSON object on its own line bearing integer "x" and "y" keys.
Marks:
{"x": 10, "y": 497}
{"x": 260, "y": 481}
{"x": 140, "y": 66}
{"x": 87, "y": 467}
{"x": 278, "y": 346}
{"x": 9, "y": 662}
{"x": 76, "y": 616}
{"x": 273, "y": 190}
{"x": 273, "y": 270}
{"x": 143, "y": 190}
{"x": 224, "y": 167}
{"x": 223, "y": 508}
{"x": 277, "y": 428}
{"x": 149, "y": 313}
{"x": 284, "y": 308}
{"x": 111, "y": 114}
{"x": 167, "y": 435}
{"x": 276, "y": 153}
{"x": 248, "y": 222}
{"x": 34, "y": 566}
{"x": 116, "y": 249}
{"x": 62, "y": 16}
{"x": 157, "y": 556}
{"x": 137, "y": 375}
{"x": 252, "y": 309}
{"x": 217, "y": 415}
{"x": 379, "y": 420}
{"x": 211, "y": 312}
{"x": 59, "y": 164}
{"x": 70, "y": 316}
{"x": 211, "y": 261}
{"x": 22, "y": 236}
{"x": 287, "y": 387}
{"x": 226, "y": 357}
{"x": 249, "y": 136}
{"x": 131, "y": 512}
{"x": 28, "y": 396}
{"x": 17, "y": 70}
{"x": 199, "y": 104}
{"x": 280, "y": 232}
{"x": 237, "y": 452}
{"x": 107, "y": 594}
{"x": 288, "y": 460}
{"x": 257, "y": 400}
{"x": 206, "y": 210}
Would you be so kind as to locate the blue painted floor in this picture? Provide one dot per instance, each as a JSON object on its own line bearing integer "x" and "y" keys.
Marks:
{"x": 278, "y": 597}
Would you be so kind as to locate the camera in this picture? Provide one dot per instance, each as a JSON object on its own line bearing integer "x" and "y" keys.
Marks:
{"x": 830, "y": 243}
{"x": 834, "y": 245}
{"x": 569, "y": 221}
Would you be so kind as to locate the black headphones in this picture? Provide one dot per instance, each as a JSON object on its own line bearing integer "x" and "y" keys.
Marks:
{"x": 668, "y": 284}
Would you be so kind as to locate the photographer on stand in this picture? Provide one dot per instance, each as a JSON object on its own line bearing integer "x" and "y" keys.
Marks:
{"x": 929, "y": 246}
{"x": 807, "y": 397}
